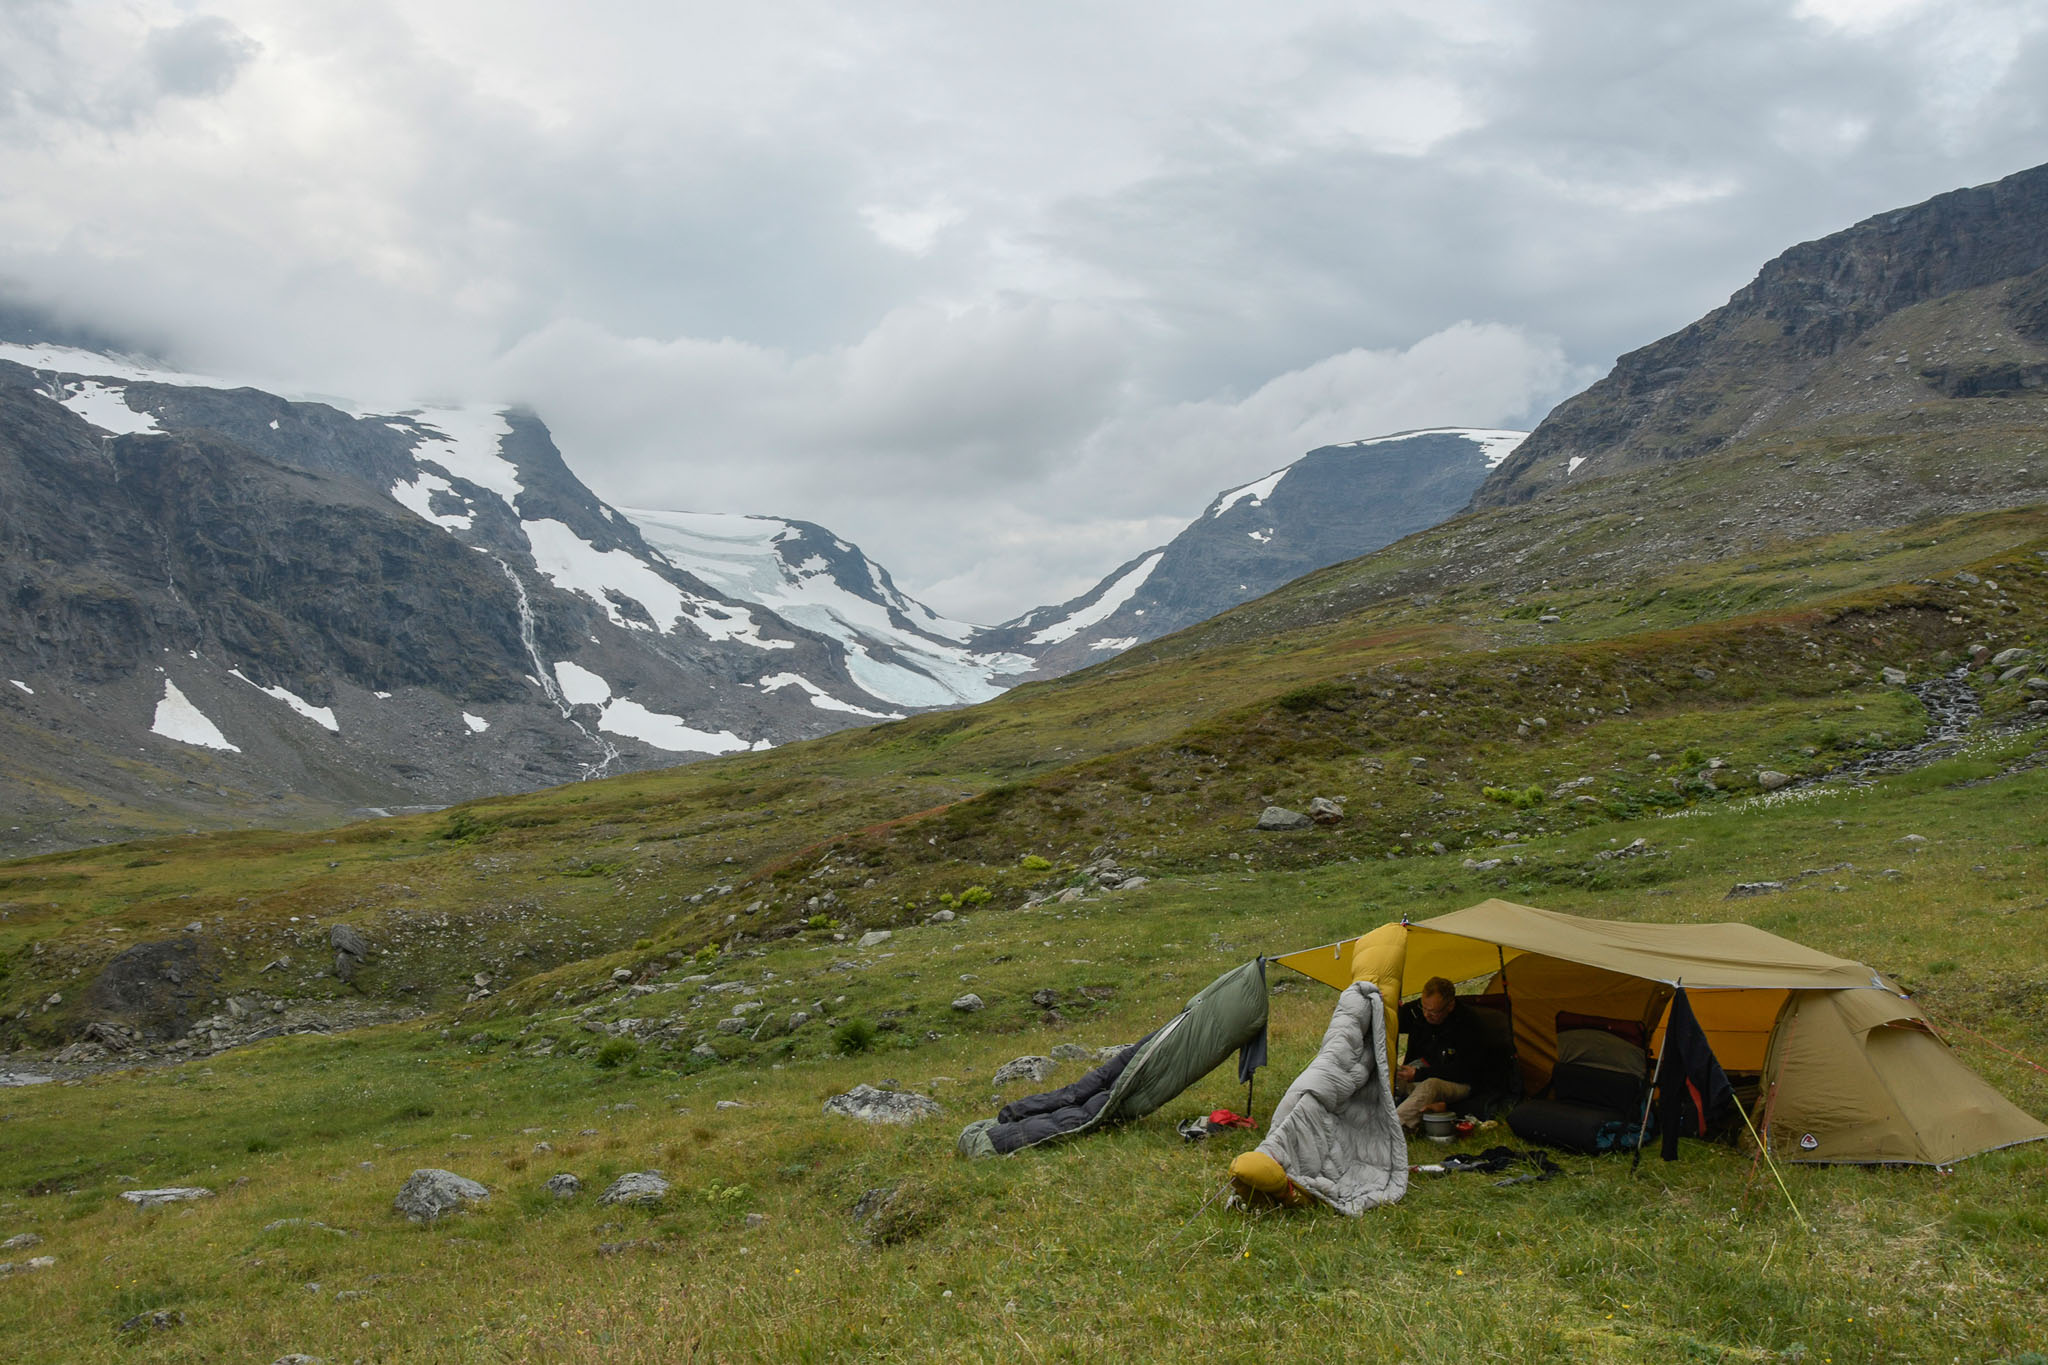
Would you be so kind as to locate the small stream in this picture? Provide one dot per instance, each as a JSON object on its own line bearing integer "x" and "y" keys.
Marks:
{"x": 546, "y": 677}
{"x": 1952, "y": 710}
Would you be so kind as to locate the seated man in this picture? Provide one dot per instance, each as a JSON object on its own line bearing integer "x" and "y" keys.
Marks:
{"x": 1449, "y": 1051}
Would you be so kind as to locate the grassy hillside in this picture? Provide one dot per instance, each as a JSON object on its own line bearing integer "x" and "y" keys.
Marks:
{"x": 1162, "y": 763}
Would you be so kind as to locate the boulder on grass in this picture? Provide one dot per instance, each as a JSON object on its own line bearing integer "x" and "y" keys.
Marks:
{"x": 430, "y": 1192}
{"x": 635, "y": 1187}
{"x": 870, "y": 1105}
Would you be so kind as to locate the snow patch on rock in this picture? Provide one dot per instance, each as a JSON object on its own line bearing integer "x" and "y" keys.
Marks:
{"x": 822, "y": 699}
{"x": 418, "y": 497}
{"x": 319, "y": 715}
{"x": 177, "y": 718}
{"x": 669, "y": 733}
{"x": 1104, "y": 606}
{"x": 106, "y": 407}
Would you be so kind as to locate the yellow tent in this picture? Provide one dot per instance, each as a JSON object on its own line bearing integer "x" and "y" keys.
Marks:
{"x": 1851, "y": 1070}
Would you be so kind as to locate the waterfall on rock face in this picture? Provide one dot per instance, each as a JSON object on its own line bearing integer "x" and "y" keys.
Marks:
{"x": 545, "y": 676}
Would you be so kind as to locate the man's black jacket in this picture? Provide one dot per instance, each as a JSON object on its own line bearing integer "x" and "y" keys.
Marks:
{"x": 1458, "y": 1049}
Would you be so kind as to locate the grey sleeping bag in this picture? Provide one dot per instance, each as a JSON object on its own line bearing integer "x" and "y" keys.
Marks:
{"x": 1227, "y": 1015}
{"x": 1334, "y": 1131}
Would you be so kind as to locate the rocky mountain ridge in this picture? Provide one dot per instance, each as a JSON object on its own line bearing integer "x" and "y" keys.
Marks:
{"x": 219, "y": 604}
{"x": 1334, "y": 503}
{"x": 1954, "y": 290}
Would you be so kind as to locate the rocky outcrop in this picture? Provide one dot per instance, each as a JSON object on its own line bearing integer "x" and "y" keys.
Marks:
{"x": 155, "y": 988}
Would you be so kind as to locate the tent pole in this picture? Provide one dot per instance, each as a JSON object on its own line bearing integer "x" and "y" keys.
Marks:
{"x": 1649, "y": 1093}
{"x": 1508, "y": 998}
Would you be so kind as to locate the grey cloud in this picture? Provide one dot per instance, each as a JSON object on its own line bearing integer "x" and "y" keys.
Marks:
{"x": 67, "y": 64}
{"x": 1168, "y": 250}
{"x": 199, "y": 57}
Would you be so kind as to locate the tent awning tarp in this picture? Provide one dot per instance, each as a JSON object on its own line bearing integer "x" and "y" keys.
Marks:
{"x": 1466, "y": 943}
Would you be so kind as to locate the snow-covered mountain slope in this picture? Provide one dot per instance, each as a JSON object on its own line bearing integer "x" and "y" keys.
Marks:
{"x": 1332, "y": 504}
{"x": 273, "y": 608}
{"x": 896, "y": 649}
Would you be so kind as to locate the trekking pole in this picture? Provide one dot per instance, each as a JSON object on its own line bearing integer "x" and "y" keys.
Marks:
{"x": 1649, "y": 1093}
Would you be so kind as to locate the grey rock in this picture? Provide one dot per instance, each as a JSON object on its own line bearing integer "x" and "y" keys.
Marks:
{"x": 1549, "y": 618}
{"x": 1279, "y": 818}
{"x": 295, "y": 1358}
{"x": 870, "y": 1105}
{"x": 757, "y": 1220}
{"x": 968, "y": 1003}
{"x": 175, "y": 1194}
{"x": 874, "y": 938}
{"x": 1324, "y": 811}
{"x": 344, "y": 939}
{"x": 1068, "y": 896}
{"x": 798, "y": 1018}
{"x": 1134, "y": 883}
{"x": 635, "y": 1187}
{"x": 1481, "y": 864}
{"x": 1074, "y": 1052}
{"x": 704, "y": 1052}
{"x": 1771, "y": 780}
{"x": 2037, "y": 684}
{"x": 1741, "y": 889}
{"x": 430, "y": 1192}
{"x": 1894, "y": 677}
{"x": 2005, "y": 657}
{"x": 732, "y": 1024}
{"x": 2016, "y": 671}
{"x": 1027, "y": 1068}
{"x": 940, "y": 917}
{"x": 564, "y": 1186}
{"x": 156, "y": 1321}
{"x": 1045, "y": 997}
{"x": 21, "y": 1242}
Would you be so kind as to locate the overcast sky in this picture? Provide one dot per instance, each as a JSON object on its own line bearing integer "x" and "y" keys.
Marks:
{"x": 1003, "y": 293}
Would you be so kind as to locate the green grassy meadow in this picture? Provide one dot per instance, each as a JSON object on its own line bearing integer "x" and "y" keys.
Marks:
{"x": 1117, "y": 1244}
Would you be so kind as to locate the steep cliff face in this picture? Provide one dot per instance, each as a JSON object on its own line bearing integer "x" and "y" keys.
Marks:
{"x": 1332, "y": 504}
{"x": 1786, "y": 349}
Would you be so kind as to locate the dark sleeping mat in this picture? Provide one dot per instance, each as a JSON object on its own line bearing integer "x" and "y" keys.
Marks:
{"x": 1575, "y": 1127}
